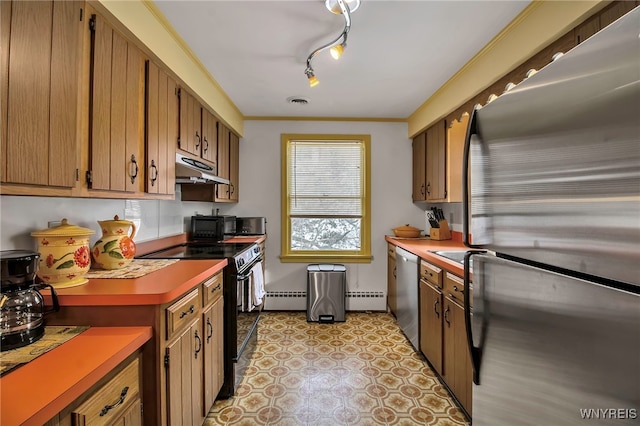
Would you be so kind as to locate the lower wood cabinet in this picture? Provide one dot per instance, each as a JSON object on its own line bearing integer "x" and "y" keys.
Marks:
{"x": 443, "y": 335}
{"x": 182, "y": 362}
{"x": 115, "y": 400}
{"x": 431, "y": 324}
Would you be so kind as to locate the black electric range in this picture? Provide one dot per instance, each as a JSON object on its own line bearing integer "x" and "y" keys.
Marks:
{"x": 241, "y": 316}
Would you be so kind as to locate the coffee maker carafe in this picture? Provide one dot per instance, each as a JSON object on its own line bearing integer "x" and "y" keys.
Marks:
{"x": 22, "y": 308}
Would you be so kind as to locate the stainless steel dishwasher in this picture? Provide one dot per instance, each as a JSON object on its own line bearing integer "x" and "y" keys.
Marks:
{"x": 407, "y": 294}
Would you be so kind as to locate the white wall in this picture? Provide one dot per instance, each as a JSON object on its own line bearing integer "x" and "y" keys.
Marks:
{"x": 391, "y": 179}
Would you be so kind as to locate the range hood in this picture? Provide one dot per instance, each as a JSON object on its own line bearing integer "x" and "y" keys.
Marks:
{"x": 190, "y": 170}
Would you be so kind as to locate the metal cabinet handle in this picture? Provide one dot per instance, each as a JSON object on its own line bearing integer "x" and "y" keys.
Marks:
{"x": 154, "y": 173}
{"x": 455, "y": 288}
{"x": 197, "y": 140}
{"x": 199, "y": 347}
{"x": 213, "y": 290}
{"x": 210, "y": 328}
{"x": 120, "y": 400}
{"x": 394, "y": 273}
{"x": 435, "y": 308}
{"x": 205, "y": 147}
{"x": 446, "y": 315}
{"x": 134, "y": 163}
{"x": 429, "y": 188}
{"x": 422, "y": 189}
{"x": 187, "y": 312}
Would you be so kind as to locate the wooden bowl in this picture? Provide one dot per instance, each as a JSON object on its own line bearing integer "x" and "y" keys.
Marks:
{"x": 406, "y": 231}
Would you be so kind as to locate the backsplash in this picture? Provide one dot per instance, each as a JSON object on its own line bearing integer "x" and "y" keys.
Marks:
{"x": 21, "y": 215}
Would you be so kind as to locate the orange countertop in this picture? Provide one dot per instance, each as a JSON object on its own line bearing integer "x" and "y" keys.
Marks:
{"x": 246, "y": 239}
{"x": 34, "y": 393}
{"x": 156, "y": 288}
{"x": 421, "y": 247}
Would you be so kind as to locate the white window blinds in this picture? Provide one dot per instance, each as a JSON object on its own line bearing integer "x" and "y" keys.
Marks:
{"x": 325, "y": 178}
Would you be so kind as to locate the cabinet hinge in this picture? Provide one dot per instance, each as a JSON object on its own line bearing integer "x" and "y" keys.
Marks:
{"x": 81, "y": 14}
{"x": 77, "y": 175}
{"x": 166, "y": 360}
{"x": 89, "y": 177}
{"x": 92, "y": 23}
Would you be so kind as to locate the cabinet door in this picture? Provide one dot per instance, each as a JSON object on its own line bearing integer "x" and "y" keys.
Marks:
{"x": 431, "y": 324}
{"x": 457, "y": 363}
{"x": 419, "y": 160}
{"x": 116, "y": 133}
{"x": 184, "y": 377}
{"x": 162, "y": 128}
{"x": 190, "y": 123}
{"x": 223, "y": 191}
{"x": 40, "y": 75}
{"x": 392, "y": 288}
{"x": 209, "y": 138}
{"x": 213, "y": 358}
{"x": 436, "y": 162}
{"x": 456, "y": 134}
{"x": 234, "y": 166}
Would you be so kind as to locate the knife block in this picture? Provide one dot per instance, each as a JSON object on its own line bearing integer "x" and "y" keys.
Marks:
{"x": 441, "y": 233}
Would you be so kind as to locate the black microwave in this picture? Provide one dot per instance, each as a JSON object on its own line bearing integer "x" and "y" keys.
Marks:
{"x": 212, "y": 228}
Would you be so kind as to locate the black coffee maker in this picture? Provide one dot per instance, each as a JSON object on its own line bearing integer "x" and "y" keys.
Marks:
{"x": 22, "y": 308}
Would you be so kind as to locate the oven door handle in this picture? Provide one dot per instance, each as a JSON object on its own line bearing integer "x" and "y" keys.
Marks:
{"x": 245, "y": 277}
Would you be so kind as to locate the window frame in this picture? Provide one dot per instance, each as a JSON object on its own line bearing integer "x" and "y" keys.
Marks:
{"x": 363, "y": 255}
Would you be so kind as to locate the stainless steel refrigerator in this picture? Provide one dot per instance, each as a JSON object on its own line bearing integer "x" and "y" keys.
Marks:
{"x": 553, "y": 197}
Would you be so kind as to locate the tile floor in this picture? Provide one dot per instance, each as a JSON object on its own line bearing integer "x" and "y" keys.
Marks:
{"x": 359, "y": 372}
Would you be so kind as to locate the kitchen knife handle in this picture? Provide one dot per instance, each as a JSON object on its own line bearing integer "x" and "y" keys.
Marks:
{"x": 472, "y": 129}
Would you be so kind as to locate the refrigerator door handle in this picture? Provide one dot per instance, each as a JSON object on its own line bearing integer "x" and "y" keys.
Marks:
{"x": 475, "y": 352}
{"x": 472, "y": 129}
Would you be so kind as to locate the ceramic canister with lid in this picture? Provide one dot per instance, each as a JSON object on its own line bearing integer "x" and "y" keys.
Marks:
{"x": 64, "y": 254}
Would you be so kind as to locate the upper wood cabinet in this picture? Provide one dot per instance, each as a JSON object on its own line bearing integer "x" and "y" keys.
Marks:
{"x": 429, "y": 164}
{"x": 223, "y": 192}
{"x": 162, "y": 131}
{"x": 436, "y": 169}
{"x": 456, "y": 134}
{"x": 210, "y": 138}
{"x": 40, "y": 67}
{"x": 116, "y": 116}
{"x": 190, "y": 123}
{"x": 234, "y": 166}
{"x": 419, "y": 163}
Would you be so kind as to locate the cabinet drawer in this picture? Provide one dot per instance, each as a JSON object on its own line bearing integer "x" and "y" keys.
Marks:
{"x": 111, "y": 400}
{"x": 183, "y": 312}
{"x": 431, "y": 273}
{"x": 212, "y": 289}
{"x": 454, "y": 286}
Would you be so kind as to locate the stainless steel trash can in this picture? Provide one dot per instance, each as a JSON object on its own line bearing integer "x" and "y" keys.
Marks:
{"x": 326, "y": 287}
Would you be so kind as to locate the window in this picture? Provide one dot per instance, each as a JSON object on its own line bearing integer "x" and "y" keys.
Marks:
{"x": 325, "y": 198}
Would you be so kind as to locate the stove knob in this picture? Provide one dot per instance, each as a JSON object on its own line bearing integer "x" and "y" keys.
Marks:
{"x": 240, "y": 262}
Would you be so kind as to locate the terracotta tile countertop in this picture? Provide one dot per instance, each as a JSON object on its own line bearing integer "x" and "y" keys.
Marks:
{"x": 421, "y": 247}
{"x": 69, "y": 370}
{"x": 156, "y": 288}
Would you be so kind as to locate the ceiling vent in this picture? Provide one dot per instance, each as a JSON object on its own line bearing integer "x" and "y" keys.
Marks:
{"x": 296, "y": 100}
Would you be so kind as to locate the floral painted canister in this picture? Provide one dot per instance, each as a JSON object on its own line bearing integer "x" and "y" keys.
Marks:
{"x": 115, "y": 249}
{"x": 64, "y": 254}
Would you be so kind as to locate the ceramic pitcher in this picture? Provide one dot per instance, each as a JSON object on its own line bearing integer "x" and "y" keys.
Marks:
{"x": 115, "y": 249}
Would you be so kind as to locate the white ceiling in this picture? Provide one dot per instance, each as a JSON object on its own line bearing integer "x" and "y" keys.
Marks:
{"x": 399, "y": 52}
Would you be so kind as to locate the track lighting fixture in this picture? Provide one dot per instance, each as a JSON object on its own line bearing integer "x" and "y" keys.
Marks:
{"x": 337, "y": 46}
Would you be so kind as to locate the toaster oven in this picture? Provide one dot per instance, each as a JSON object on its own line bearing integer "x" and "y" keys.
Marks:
{"x": 251, "y": 226}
